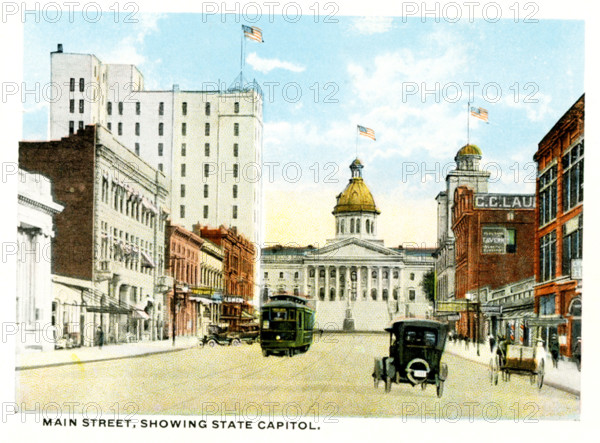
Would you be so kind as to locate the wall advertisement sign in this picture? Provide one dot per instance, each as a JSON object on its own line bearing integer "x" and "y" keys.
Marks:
{"x": 504, "y": 201}
{"x": 493, "y": 240}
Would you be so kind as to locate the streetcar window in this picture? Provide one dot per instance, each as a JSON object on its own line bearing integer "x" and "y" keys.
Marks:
{"x": 278, "y": 314}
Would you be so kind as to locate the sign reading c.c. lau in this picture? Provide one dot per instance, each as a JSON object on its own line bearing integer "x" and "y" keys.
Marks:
{"x": 504, "y": 201}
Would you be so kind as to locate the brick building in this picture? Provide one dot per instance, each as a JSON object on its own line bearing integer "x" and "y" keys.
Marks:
{"x": 559, "y": 221}
{"x": 494, "y": 234}
{"x": 196, "y": 269}
{"x": 110, "y": 237}
{"x": 239, "y": 256}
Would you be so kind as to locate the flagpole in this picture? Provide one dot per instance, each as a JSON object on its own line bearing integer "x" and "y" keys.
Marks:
{"x": 356, "y": 141}
{"x": 468, "y": 119}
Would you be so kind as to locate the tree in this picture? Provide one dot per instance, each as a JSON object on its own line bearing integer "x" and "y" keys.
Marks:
{"x": 428, "y": 285}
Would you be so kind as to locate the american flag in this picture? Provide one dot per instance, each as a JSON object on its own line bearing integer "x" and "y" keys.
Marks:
{"x": 480, "y": 113}
{"x": 367, "y": 132}
{"x": 253, "y": 33}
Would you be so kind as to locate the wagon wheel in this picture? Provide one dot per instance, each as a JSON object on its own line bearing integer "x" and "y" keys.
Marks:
{"x": 540, "y": 375}
{"x": 388, "y": 384}
{"x": 439, "y": 388}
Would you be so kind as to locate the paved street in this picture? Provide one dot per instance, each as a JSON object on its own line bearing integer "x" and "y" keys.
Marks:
{"x": 332, "y": 379}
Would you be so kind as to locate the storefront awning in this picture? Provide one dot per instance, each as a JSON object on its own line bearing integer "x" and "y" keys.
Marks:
{"x": 140, "y": 314}
{"x": 147, "y": 261}
{"x": 204, "y": 301}
{"x": 544, "y": 322}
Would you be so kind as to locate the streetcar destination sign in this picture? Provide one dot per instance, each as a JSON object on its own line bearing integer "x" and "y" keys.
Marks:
{"x": 505, "y": 201}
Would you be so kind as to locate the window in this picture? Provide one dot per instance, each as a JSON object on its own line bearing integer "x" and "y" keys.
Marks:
{"x": 137, "y": 149}
{"x": 160, "y": 149}
{"x": 205, "y": 211}
{"x": 81, "y": 106}
{"x": 160, "y": 129}
{"x": 206, "y": 129}
{"x": 108, "y": 108}
{"x": 385, "y": 275}
{"x": 181, "y": 211}
{"x": 236, "y": 107}
{"x": 161, "y": 108}
{"x": 183, "y": 169}
{"x": 81, "y": 85}
{"x": 137, "y": 128}
{"x": 548, "y": 256}
{"x": 412, "y": 275}
{"x": 234, "y": 211}
{"x": 411, "y": 295}
{"x": 206, "y": 169}
{"x": 183, "y": 129}
{"x": 572, "y": 243}
{"x": 207, "y": 108}
{"x": 184, "y": 108}
{"x": 120, "y": 108}
{"x": 547, "y": 195}
{"x": 572, "y": 163}
{"x": 235, "y": 170}
{"x": 205, "y": 191}
{"x": 236, "y": 129}
{"x": 547, "y": 304}
{"x": 296, "y": 274}
{"x": 72, "y": 106}
{"x": 120, "y": 128}
{"x": 207, "y": 149}
{"x": 183, "y": 149}
{"x": 396, "y": 274}
{"x": 235, "y": 149}
{"x": 138, "y": 108}
{"x": 80, "y": 124}
{"x": 311, "y": 273}
{"x": 331, "y": 274}
{"x": 266, "y": 275}
{"x": 72, "y": 85}
{"x": 235, "y": 191}
{"x": 322, "y": 294}
{"x": 511, "y": 241}
{"x": 374, "y": 274}
{"x": 281, "y": 275}
{"x": 109, "y": 126}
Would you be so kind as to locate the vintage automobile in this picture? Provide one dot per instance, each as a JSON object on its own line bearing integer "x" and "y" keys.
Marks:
{"x": 220, "y": 335}
{"x": 249, "y": 333}
{"x": 416, "y": 348}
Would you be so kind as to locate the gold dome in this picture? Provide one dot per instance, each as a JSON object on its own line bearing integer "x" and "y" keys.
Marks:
{"x": 356, "y": 197}
{"x": 469, "y": 150}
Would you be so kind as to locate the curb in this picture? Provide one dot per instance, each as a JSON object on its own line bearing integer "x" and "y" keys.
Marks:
{"x": 554, "y": 385}
{"x": 96, "y": 360}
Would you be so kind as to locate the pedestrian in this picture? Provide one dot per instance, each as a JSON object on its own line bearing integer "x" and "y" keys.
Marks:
{"x": 492, "y": 341}
{"x": 577, "y": 354}
{"x": 467, "y": 339}
{"x": 554, "y": 350}
{"x": 100, "y": 337}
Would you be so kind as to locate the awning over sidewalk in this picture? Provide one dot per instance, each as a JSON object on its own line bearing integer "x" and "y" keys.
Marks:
{"x": 545, "y": 322}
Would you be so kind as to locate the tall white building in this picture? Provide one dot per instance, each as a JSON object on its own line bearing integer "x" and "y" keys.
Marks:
{"x": 354, "y": 276}
{"x": 207, "y": 143}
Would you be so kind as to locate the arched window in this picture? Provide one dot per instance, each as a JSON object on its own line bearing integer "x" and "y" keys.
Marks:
{"x": 364, "y": 294}
{"x": 337, "y": 226}
{"x": 385, "y": 295}
{"x": 322, "y": 273}
{"x": 332, "y": 273}
{"x": 332, "y": 294}
{"x": 342, "y": 227}
{"x": 385, "y": 274}
{"x": 358, "y": 225}
{"x": 374, "y": 294}
{"x": 312, "y": 272}
{"x": 322, "y": 294}
{"x": 411, "y": 295}
{"x": 351, "y": 226}
{"x": 367, "y": 226}
{"x": 296, "y": 292}
{"x": 396, "y": 274}
{"x": 374, "y": 274}
{"x": 395, "y": 294}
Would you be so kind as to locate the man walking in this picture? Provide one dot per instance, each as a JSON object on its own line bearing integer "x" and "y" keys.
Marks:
{"x": 100, "y": 337}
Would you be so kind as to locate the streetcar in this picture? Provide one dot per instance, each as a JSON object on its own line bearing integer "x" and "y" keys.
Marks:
{"x": 286, "y": 325}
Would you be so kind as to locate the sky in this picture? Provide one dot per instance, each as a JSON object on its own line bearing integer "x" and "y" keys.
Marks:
{"x": 410, "y": 80}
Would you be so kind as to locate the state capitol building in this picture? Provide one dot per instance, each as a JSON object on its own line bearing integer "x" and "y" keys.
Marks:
{"x": 355, "y": 280}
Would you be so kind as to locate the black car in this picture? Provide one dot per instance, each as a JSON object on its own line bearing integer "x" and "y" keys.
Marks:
{"x": 416, "y": 348}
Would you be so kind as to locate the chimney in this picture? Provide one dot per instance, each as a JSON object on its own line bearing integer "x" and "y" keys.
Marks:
{"x": 59, "y": 49}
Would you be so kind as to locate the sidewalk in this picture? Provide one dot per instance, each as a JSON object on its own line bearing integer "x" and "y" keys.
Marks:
{"x": 566, "y": 377}
{"x": 59, "y": 357}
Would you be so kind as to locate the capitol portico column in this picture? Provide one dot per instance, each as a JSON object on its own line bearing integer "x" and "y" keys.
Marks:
{"x": 316, "y": 285}
{"x": 379, "y": 282}
{"x": 369, "y": 282}
{"x": 347, "y": 286}
{"x": 326, "y": 288}
{"x": 305, "y": 280}
{"x": 358, "y": 286}
{"x": 390, "y": 286}
{"x": 337, "y": 282}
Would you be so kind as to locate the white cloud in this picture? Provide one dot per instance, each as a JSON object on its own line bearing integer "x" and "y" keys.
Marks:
{"x": 372, "y": 25}
{"x": 266, "y": 65}
{"x": 536, "y": 105}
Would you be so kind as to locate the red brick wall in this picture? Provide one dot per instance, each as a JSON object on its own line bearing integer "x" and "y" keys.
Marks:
{"x": 69, "y": 163}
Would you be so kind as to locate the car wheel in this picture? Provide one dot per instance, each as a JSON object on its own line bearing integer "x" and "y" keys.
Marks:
{"x": 212, "y": 343}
